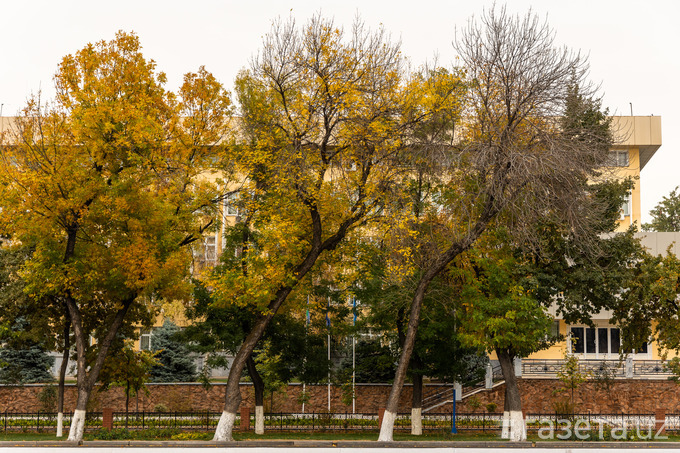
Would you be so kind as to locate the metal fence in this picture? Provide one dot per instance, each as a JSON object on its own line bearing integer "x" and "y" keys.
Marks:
{"x": 47, "y": 421}
{"x": 618, "y": 369}
{"x": 325, "y": 422}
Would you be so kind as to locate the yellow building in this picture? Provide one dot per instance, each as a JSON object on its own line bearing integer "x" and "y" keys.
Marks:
{"x": 637, "y": 139}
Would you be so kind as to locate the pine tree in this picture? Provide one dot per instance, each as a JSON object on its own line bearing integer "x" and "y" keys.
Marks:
{"x": 176, "y": 363}
{"x": 26, "y": 365}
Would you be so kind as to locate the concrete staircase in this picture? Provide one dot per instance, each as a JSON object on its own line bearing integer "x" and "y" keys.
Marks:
{"x": 493, "y": 379}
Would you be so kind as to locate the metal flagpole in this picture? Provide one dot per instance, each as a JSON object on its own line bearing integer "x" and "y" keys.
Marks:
{"x": 328, "y": 325}
{"x": 354, "y": 357}
{"x": 304, "y": 385}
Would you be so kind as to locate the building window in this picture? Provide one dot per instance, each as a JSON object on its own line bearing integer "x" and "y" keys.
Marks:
{"x": 590, "y": 340}
{"x": 210, "y": 248}
{"x": 145, "y": 340}
{"x": 618, "y": 158}
{"x": 555, "y": 329}
{"x": 230, "y": 206}
{"x": 599, "y": 340}
{"x": 626, "y": 207}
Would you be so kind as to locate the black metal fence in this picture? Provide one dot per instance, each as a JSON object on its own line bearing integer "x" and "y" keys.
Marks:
{"x": 324, "y": 421}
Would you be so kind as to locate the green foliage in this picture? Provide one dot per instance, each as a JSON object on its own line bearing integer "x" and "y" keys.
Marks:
{"x": 160, "y": 408}
{"x": 585, "y": 121}
{"x": 48, "y": 398}
{"x": 128, "y": 368}
{"x": 570, "y": 377}
{"x": 499, "y": 307}
{"x": 375, "y": 362}
{"x": 269, "y": 366}
{"x": 666, "y": 214}
{"x": 304, "y": 397}
{"x": 218, "y": 329}
{"x": 673, "y": 365}
{"x": 384, "y": 301}
{"x": 27, "y": 365}
{"x": 589, "y": 272}
{"x": 125, "y": 434}
{"x": 474, "y": 403}
{"x": 175, "y": 361}
{"x": 648, "y": 308}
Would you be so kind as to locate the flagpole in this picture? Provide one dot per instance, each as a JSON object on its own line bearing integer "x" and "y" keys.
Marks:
{"x": 304, "y": 385}
{"x": 354, "y": 356}
{"x": 328, "y": 325}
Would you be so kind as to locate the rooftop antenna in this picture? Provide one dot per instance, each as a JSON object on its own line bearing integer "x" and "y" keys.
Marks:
{"x": 631, "y": 108}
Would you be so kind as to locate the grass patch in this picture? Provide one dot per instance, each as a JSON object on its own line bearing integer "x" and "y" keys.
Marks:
{"x": 363, "y": 436}
{"x": 125, "y": 434}
{"x": 173, "y": 434}
{"x": 18, "y": 437}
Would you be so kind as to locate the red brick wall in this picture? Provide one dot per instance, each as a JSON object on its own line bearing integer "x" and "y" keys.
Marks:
{"x": 538, "y": 396}
{"x": 180, "y": 397}
{"x": 629, "y": 396}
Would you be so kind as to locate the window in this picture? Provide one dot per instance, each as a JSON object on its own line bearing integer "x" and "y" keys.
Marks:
{"x": 615, "y": 337}
{"x": 230, "y": 206}
{"x": 555, "y": 329}
{"x": 210, "y": 249}
{"x": 577, "y": 337}
{"x": 626, "y": 207}
{"x": 599, "y": 340}
{"x": 618, "y": 158}
{"x": 145, "y": 340}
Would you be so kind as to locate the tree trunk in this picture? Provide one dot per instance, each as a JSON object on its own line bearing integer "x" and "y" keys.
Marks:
{"x": 232, "y": 396}
{"x": 258, "y": 385}
{"x": 436, "y": 266}
{"x": 417, "y": 395}
{"x": 62, "y": 376}
{"x": 505, "y": 432}
{"x": 86, "y": 379}
{"x": 127, "y": 403}
{"x": 417, "y": 405}
{"x": 387, "y": 428}
{"x": 516, "y": 426}
{"x": 78, "y": 422}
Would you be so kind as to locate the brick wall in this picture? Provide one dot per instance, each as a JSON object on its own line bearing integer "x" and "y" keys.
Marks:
{"x": 630, "y": 396}
{"x": 184, "y": 397}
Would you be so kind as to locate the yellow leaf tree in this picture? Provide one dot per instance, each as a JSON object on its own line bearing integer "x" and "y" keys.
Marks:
{"x": 326, "y": 118}
{"x": 103, "y": 183}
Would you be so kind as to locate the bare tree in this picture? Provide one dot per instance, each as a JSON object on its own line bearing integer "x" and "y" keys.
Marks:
{"x": 512, "y": 157}
{"x": 324, "y": 117}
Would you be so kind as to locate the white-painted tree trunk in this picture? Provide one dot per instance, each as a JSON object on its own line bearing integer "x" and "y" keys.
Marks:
{"x": 387, "y": 427}
{"x": 505, "y": 432}
{"x": 60, "y": 424}
{"x": 518, "y": 429}
{"x": 416, "y": 421}
{"x": 225, "y": 427}
{"x": 259, "y": 419}
{"x": 75, "y": 433}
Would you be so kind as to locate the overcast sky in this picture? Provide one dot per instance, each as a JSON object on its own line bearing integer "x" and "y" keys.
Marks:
{"x": 633, "y": 45}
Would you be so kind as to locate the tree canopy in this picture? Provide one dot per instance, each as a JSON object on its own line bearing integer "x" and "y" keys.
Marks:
{"x": 103, "y": 184}
{"x": 666, "y": 214}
